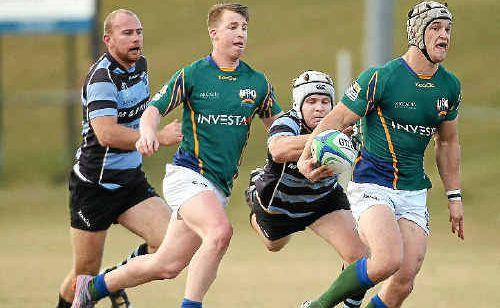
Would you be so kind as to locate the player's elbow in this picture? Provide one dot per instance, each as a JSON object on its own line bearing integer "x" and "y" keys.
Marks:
{"x": 105, "y": 138}
{"x": 279, "y": 156}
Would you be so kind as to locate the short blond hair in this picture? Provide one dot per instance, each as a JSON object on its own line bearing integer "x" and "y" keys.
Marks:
{"x": 108, "y": 21}
{"x": 216, "y": 11}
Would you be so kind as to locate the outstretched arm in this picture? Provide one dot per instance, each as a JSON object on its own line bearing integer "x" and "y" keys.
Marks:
{"x": 447, "y": 148}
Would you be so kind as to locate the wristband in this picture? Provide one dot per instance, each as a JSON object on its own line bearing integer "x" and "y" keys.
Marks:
{"x": 454, "y": 195}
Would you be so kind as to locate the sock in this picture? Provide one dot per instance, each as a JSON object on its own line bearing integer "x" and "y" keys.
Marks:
{"x": 97, "y": 288}
{"x": 63, "y": 303}
{"x": 376, "y": 302}
{"x": 139, "y": 251}
{"x": 352, "y": 281}
{"x": 187, "y": 303}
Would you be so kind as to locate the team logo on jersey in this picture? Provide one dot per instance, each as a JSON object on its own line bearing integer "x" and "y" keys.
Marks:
{"x": 353, "y": 90}
{"x": 442, "y": 106}
{"x": 248, "y": 96}
{"x": 424, "y": 85}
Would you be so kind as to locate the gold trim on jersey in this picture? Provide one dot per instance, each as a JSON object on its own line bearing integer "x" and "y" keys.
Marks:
{"x": 195, "y": 137}
{"x": 391, "y": 148}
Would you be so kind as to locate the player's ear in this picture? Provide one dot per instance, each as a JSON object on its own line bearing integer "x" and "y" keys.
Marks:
{"x": 212, "y": 32}
{"x": 106, "y": 38}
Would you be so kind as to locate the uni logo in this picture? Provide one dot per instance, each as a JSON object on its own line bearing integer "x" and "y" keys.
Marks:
{"x": 442, "y": 106}
{"x": 248, "y": 96}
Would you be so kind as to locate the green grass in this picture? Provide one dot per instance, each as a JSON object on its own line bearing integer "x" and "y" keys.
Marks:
{"x": 284, "y": 39}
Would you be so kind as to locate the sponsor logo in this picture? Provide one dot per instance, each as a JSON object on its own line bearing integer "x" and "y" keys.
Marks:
{"x": 320, "y": 86}
{"x": 85, "y": 220}
{"x": 424, "y": 85}
{"x": 414, "y": 129}
{"x": 229, "y": 78}
{"x": 353, "y": 90}
{"x": 248, "y": 96}
{"x": 209, "y": 95}
{"x": 346, "y": 143}
{"x": 442, "y": 106}
{"x": 223, "y": 119}
{"x": 368, "y": 196}
{"x": 199, "y": 183}
{"x": 405, "y": 105}
{"x": 133, "y": 112}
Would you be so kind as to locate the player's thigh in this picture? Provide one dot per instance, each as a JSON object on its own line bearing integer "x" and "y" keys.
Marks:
{"x": 380, "y": 230}
{"x": 88, "y": 247}
{"x": 148, "y": 219}
{"x": 204, "y": 213}
{"x": 414, "y": 248}
{"x": 339, "y": 230}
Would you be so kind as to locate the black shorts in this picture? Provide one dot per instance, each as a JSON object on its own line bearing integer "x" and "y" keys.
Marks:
{"x": 276, "y": 226}
{"x": 95, "y": 208}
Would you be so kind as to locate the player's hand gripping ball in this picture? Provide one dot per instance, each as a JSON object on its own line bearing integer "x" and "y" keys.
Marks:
{"x": 334, "y": 149}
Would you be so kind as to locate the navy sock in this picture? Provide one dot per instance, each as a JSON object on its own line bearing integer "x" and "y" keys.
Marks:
{"x": 97, "y": 287}
{"x": 377, "y": 302}
{"x": 187, "y": 303}
{"x": 362, "y": 273}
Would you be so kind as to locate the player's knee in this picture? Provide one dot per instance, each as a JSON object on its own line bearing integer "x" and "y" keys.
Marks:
{"x": 387, "y": 264}
{"x": 273, "y": 247}
{"x": 220, "y": 237}
{"x": 168, "y": 271}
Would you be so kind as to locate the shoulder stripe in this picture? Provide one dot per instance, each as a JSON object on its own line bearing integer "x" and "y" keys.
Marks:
{"x": 371, "y": 91}
{"x": 100, "y": 75}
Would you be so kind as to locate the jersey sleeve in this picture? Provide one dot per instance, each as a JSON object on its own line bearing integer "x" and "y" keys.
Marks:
{"x": 171, "y": 94}
{"x": 455, "y": 103}
{"x": 102, "y": 95}
{"x": 361, "y": 96}
{"x": 269, "y": 106}
{"x": 283, "y": 126}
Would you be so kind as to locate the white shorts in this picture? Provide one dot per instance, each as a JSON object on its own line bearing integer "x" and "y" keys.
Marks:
{"x": 181, "y": 184}
{"x": 408, "y": 204}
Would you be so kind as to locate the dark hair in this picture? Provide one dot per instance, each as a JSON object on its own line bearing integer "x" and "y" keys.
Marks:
{"x": 216, "y": 11}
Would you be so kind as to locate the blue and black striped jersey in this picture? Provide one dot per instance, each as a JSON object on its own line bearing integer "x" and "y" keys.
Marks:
{"x": 111, "y": 90}
{"x": 281, "y": 187}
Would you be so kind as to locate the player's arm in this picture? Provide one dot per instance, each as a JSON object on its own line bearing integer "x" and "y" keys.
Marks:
{"x": 447, "y": 148}
{"x": 102, "y": 112}
{"x": 111, "y": 134}
{"x": 287, "y": 148}
{"x": 167, "y": 99}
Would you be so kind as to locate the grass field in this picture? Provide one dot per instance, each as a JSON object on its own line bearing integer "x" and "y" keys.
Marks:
{"x": 284, "y": 38}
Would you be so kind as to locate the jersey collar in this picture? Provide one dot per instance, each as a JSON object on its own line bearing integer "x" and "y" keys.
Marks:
{"x": 116, "y": 67}
{"x": 227, "y": 70}
{"x": 425, "y": 77}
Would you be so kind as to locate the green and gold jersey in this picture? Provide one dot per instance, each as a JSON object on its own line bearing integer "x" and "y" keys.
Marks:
{"x": 218, "y": 108}
{"x": 401, "y": 112}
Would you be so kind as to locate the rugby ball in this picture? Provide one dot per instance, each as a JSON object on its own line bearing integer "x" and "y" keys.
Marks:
{"x": 334, "y": 149}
